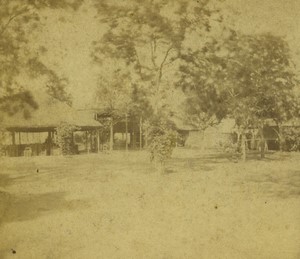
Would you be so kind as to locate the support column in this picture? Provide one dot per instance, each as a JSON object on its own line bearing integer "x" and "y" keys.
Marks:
{"x": 91, "y": 141}
{"x": 14, "y": 150}
{"x": 133, "y": 135}
{"x": 73, "y": 144}
{"x": 98, "y": 141}
{"x": 86, "y": 142}
{"x": 13, "y": 138}
{"x": 49, "y": 143}
{"x": 111, "y": 137}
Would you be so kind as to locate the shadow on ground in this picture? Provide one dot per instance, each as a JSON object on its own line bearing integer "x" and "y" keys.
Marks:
{"x": 202, "y": 162}
{"x": 282, "y": 186}
{"x": 31, "y": 206}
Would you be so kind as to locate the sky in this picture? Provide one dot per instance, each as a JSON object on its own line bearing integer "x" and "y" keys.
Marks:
{"x": 67, "y": 37}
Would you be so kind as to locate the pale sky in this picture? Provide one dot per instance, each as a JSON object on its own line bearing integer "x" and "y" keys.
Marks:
{"x": 68, "y": 37}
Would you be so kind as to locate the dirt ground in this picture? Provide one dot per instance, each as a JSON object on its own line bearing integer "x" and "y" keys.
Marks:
{"x": 117, "y": 206}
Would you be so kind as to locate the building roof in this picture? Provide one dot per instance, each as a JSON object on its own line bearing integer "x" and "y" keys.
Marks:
{"x": 225, "y": 126}
{"x": 49, "y": 114}
{"x": 291, "y": 123}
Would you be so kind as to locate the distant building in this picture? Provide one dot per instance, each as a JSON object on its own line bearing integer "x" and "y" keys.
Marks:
{"x": 211, "y": 137}
{"x": 36, "y": 135}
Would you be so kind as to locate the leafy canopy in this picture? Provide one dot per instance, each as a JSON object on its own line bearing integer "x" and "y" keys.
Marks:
{"x": 18, "y": 18}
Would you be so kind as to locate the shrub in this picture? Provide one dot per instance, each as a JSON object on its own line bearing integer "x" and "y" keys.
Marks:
{"x": 65, "y": 138}
{"x": 162, "y": 142}
{"x": 291, "y": 139}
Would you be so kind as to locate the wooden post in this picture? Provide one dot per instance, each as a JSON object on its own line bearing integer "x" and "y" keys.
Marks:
{"x": 86, "y": 142}
{"x": 13, "y": 140}
{"x": 243, "y": 146}
{"x": 126, "y": 132}
{"x": 141, "y": 133}
{"x": 262, "y": 142}
{"x": 280, "y": 138}
{"x": 98, "y": 141}
{"x": 15, "y": 151}
{"x": 73, "y": 143}
{"x": 111, "y": 137}
{"x": 146, "y": 138}
{"x": 20, "y": 138}
{"x": 91, "y": 141}
{"x": 133, "y": 139}
{"x": 49, "y": 143}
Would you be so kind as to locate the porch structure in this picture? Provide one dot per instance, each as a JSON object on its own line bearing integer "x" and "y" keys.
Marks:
{"x": 37, "y": 134}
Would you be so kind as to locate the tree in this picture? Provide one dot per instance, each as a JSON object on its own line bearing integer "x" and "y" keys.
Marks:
{"x": 113, "y": 97}
{"x": 248, "y": 77}
{"x": 142, "y": 109}
{"x": 163, "y": 137}
{"x": 265, "y": 81}
{"x": 17, "y": 19}
{"x": 204, "y": 105}
{"x": 65, "y": 138}
{"x": 150, "y": 36}
{"x": 55, "y": 85}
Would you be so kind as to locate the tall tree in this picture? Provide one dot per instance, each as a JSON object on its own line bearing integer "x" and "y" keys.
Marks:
{"x": 150, "y": 36}
{"x": 17, "y": 19}
{"x": 251, "y": 78}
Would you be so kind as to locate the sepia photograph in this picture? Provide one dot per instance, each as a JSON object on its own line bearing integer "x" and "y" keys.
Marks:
{"x": 150, "y": 129}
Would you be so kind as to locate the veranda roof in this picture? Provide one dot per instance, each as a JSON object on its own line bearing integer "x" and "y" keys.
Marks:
{"x": 49, "y": 115}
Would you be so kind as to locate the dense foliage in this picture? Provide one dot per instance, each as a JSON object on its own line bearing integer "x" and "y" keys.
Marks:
{"x": 18, "y": 19}
{"x": 65, "y": 138}
{"x": 163, "y": 139}
{"x": 291, "y": 139}
{"x": 148, "y": 37}
{"x": 250, "y": 78}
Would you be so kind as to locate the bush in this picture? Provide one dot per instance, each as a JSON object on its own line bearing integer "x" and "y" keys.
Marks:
{"x": 291, "y": 139}
{"x": 65, "y": 138}
{"x": 162, "y": 142}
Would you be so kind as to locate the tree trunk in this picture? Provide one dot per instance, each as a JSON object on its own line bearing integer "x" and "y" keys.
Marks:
{"x": 126, "y": 133}
{"x": 253, "y": 140}
{"x": 159, "y": 166}
{"x": 146, "y": 138}
{"x": 141, "y": 133}
{"x": 280, "y": 138}
{"x": 243, "y": 147}
{"x": 111, "y": 136}
{"x": 262, "y": 142}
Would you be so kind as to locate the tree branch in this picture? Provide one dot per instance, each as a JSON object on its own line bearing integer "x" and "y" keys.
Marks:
{"x": 163, "y": 62}
{"x": 4, "y": 27}
{"x": 153, "y": 50}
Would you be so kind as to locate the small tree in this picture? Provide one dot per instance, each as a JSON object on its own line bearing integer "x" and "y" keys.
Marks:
{"x": 291, "y": 138}
{"x": 65, "y": 133}
{"x": 113, "y": 96}
{"x": 162, "y": 143}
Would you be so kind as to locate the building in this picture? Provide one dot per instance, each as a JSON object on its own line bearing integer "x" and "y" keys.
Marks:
{"x": 37, "y": 135}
